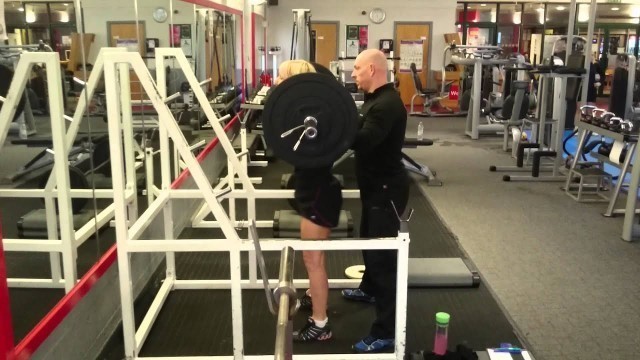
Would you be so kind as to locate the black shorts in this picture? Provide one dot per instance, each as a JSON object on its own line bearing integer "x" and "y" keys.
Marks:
{"x": 318, "y": 196}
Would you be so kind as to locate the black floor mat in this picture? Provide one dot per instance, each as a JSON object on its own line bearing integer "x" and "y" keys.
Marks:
{"x": 198, "y": 322}
{"x": 29, "y": 306}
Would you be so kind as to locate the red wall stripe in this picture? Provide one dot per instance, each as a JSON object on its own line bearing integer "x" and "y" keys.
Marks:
{"x": 6, "y": 327}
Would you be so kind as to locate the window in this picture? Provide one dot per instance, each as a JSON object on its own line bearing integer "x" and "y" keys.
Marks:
{"x": 509, "y": 23}
{"x": 50, "y": 22}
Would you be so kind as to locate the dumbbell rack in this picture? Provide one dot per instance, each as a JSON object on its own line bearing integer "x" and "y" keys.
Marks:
{"x": 585, "y": 129}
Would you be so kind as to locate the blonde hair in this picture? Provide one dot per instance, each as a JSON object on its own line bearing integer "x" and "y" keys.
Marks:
{"x": 290, "y": 68}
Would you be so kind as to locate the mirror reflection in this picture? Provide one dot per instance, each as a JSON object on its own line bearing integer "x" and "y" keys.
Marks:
{"x": 50, "y": 244}
{"x": 77, "y": 230}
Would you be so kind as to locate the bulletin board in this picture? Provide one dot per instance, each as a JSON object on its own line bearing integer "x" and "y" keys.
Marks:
{"x": 180, "y": 36}
{"x": 411, "y": 51}
{"x": 357, "y": 39}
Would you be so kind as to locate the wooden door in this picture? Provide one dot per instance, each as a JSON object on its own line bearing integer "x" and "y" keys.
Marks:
{"x": 326, "y": 42}
{"x": 214, "y": 54}
{"x": 412, "y": 31}
{"x": 121, "y": 34}
{"x": 126, "y": 30}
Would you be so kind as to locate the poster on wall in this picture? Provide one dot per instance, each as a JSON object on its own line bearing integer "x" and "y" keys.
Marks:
{"x": 353, "y": 48}
{"x": 357, "y": 39}
{"x": 180, "y": 36}
{"x": 363, "y": 37}
{"x": 3, "y": 27}
{"x": 411, "y": 51}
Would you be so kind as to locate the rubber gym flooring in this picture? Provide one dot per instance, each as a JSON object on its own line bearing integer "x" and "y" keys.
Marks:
{"x": 198, "y": 322}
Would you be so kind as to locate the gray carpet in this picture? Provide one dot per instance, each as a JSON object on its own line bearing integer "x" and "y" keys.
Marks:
{"x": 558, "y": 267}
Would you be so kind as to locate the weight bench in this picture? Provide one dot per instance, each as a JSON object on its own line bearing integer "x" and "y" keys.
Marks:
{"x": 441, "y": 272}
{"x": 426, "y": 93}
{"x": 286, "y": 224}
{"x": 431, "y": 272}
{"x": 414, "y": 166}
{"x": 409, "y": 163}
{"x": 33, "y": 225}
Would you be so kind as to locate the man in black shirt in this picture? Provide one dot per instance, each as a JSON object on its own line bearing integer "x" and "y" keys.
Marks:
{"x": 383, "y": 183}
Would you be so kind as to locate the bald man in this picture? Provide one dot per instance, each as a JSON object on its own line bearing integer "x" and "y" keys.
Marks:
{"x": 383, "y": 183}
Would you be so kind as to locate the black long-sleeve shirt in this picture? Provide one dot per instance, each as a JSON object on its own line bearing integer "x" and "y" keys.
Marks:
{"x": 378, "y": 144}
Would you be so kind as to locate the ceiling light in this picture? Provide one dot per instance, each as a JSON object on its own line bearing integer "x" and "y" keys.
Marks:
{"x": 517, "y": 17}
{"x": 583, "y": 12}
{"x": 64, "y": 16}
{"x": 560, "y": 8}
{"x": 483, "y": 4}
{"x": 21, "y": 9}
{"x": 615, "y": 9}
{"x": 31, "y": 17}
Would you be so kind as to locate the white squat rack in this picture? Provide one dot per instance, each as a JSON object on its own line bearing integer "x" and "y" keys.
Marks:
{"x": 65, "y": 241}
{"x": 130, "y": 234}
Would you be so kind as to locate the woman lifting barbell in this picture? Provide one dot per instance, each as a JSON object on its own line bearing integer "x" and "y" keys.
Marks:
{"x": 318, "y": 200}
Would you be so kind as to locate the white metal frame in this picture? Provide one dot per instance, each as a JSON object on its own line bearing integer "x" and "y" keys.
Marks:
{"x": 67, "y": 240}
{"x": 129, "y": 234}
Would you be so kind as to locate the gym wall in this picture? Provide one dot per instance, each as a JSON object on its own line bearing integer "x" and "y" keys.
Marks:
{"x": 441, "y": 13}
{"x": 98, "y": 12}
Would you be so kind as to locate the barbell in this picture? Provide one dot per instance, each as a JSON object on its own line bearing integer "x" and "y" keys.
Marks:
{"x": 6, "y": 75}
{"x": 310, "y": 120}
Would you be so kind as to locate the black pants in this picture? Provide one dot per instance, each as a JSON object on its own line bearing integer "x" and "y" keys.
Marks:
{"x": 379, "y": 219}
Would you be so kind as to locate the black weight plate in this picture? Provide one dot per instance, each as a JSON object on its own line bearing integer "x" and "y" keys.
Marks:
{"x": 77, "y": 180}
{"x": 6, "y": 75}
{"x": 314, "y": 95}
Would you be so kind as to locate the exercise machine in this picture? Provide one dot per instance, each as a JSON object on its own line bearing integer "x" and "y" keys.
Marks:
{"x": 480, "y": 57}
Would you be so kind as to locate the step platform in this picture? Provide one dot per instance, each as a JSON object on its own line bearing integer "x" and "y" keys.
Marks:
{"x": 285, "y": 180}
{"x": 286, "y": 224}
{"x": 431, "y": 272}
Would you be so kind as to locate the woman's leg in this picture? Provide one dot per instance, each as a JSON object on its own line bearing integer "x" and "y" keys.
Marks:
{"x": 314, "y": 262}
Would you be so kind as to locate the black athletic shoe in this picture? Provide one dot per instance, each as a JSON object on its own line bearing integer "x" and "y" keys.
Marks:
{"x": 305, "y": 302}
{"x": 311, "y": 332}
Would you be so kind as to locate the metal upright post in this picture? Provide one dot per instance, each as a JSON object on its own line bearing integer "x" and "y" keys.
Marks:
{"x": 165, "y": 167}
{"x": 127, "y": 128}
{"x": 630, "y": 87}
{"x": 559, "y": 134}
{"x": 587, "y": 55}
{"x": 629, "y": 226}
{"x": 122, "y": 228}
{"x": 60, "y": 148}
{"x": 473, "y": 116}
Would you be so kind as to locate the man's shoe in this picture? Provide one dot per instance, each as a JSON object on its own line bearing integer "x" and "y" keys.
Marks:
{"x": 357, "y": 295}
{"x": 305, "y": 302}
{"x": 372, "y": 345}
{"x": 311, "y": 332}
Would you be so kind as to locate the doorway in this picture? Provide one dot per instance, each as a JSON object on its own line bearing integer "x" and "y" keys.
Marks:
{"x": 326, "y": 41}
{"x": 412, "y": 31}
